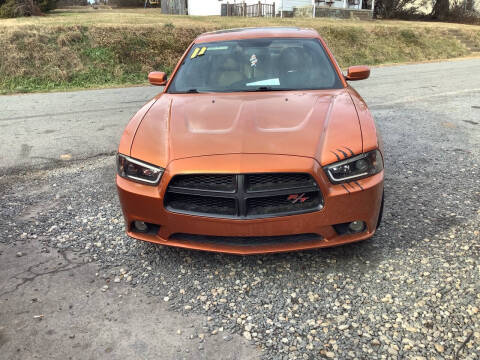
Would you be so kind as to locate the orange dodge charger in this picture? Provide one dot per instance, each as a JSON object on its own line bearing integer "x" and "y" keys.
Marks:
{"x": 257, "y": 144}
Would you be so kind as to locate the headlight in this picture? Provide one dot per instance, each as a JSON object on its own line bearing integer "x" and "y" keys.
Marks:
{"x": 137, "y": 170}
{"x": 357, "y": 167}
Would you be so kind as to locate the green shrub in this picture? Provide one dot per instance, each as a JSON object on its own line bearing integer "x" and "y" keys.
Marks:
{"x": 17, "y": 8}
{"x": 46, "y": 5}
{"x": 127, "y": 3}
{"x": 7, "y": 8}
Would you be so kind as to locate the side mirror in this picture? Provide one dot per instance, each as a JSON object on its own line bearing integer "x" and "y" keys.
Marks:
{"x": 358, "y": 72}
{"x": 158, "y": 78}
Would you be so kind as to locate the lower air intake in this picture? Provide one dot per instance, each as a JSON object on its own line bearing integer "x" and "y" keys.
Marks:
{"x": 246, "y": 240}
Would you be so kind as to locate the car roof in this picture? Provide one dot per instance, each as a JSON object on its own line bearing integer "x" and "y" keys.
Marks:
{"x": 258, "y": 32}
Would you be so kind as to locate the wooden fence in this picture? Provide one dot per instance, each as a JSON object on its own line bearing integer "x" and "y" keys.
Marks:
{"x": 174, "y": 7}
{"x": 255, "y": 10}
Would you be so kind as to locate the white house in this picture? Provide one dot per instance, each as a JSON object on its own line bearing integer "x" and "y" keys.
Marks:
{"x": 204, "y": 7}
{"x": 214, "y": 7}
{"x": 288, "y": 5}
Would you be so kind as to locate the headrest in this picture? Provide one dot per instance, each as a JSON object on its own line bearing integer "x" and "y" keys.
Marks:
{"x": 229, "y": 63}
{"x": 292, "y": 58}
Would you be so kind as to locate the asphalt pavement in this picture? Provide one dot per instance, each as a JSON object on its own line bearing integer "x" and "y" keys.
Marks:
{"x": 41, "y": 130}
{"x": 72, "y": 285}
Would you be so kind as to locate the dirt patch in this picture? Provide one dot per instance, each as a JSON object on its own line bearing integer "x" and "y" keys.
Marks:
{"x": 3, "y": 338}
{"x": 54, "y": 305}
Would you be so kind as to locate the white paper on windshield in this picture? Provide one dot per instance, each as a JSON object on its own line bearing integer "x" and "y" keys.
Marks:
{"x": 268, "y": 82}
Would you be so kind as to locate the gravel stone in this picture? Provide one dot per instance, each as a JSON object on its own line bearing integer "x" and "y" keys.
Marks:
{"x": 247, "y": 335}
{"x": 410, "y": 292}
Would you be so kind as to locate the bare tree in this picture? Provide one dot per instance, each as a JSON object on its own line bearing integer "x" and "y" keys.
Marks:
{"x": 395, "y": 8}
{"x": 440, "y": 9}
{"x": 26, "y": 8}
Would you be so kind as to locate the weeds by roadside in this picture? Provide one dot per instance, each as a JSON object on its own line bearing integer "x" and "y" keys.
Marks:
{"x": 42, "y": 57}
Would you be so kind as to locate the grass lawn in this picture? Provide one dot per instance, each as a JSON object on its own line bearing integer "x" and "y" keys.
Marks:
{"x": 149, "y": 17}
{"x": 83, "y": 47}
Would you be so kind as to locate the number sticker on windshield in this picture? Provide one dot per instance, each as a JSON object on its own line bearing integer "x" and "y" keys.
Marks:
{"x": 198, "y": 52}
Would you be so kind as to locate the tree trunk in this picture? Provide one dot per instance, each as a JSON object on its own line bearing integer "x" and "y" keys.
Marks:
{"x": 469, "y": 5}
{"x": 440, "y": 9}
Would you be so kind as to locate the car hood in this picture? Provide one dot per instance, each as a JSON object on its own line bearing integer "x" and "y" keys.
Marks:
{"x": 318, "y": 124}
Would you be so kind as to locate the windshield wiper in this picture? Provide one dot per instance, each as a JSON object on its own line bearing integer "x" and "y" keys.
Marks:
{"x": 268, "y": 88}
{"x": 189, "y": 91}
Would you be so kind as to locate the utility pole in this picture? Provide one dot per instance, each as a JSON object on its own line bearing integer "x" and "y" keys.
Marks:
{"x": 313, "y": 9}
{"x": 281, "y": 11}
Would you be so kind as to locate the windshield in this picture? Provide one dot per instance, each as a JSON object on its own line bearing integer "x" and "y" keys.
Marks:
{"x": 256, "y": 65}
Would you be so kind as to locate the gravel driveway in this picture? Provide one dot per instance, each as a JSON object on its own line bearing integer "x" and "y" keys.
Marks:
{"x": 413, "y": 291}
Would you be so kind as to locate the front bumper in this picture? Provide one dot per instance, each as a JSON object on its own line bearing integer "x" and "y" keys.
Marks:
{"x": 360, "y": 200}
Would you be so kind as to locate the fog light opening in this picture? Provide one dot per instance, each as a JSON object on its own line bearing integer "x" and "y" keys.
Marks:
{"x": 356, "y": 226}
{"x": 140, "y": 226}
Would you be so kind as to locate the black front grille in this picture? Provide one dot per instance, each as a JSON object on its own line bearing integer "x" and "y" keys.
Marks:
{"x": 205, "y": 182}
{"x": 246, "y": 240}
{"x": 201, "y": 204}
{"x": 275, "y": 204}
{"x": 261, "y": 182}
{"x": 243, "y": 196}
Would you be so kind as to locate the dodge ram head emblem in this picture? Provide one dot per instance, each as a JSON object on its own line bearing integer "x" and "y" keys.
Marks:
{"x": 294, "y": 198}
